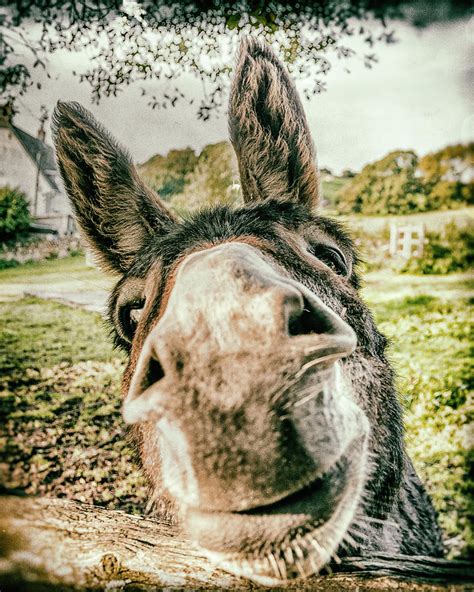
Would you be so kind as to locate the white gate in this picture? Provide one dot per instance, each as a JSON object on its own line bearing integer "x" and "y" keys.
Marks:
{"x": 407, "y": 240}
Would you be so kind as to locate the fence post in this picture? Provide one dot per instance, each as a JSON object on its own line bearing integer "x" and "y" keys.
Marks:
{"x": 406, "y": 239}
{"x": 393, "y": 239}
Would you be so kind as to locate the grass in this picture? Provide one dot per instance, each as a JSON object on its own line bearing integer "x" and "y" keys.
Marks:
{"x": 35, "y": 333}
{"x": 431, "y": 350}
{"x": 62, "y": 433}
{"x": 73, "y": 268}
{"x": 61, "y": 275}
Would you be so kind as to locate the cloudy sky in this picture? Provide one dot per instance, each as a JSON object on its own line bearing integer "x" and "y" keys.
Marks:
{"x": 419, "y": 96}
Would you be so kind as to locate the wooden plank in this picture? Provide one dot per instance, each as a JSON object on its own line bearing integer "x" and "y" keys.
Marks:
{"x": 51, "y": 544}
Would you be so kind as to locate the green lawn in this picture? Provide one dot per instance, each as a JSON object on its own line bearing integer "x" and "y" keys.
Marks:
{"x": 431, "y": 333}
{"x": 62, "y": 433}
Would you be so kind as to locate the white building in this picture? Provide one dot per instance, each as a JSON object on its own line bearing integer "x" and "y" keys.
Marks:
{"x": 28, "y": 163}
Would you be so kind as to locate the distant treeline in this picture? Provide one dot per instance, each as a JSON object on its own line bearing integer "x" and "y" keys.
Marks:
{"x": 399, "y": 183}
{"x": 189, "y": 181}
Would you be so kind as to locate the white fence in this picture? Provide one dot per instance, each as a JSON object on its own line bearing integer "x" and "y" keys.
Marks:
{"x": 407, "y": 240}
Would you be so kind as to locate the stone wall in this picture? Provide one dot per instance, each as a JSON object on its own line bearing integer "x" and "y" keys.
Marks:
{"x": 38, "y": 250}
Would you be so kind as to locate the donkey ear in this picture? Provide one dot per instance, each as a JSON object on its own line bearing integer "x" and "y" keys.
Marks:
{"x": 114, "y": 209}
{"x": 269, "y": 131}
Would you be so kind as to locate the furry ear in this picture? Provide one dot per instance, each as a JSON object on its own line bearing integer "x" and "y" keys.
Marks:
{"x": 269, "y": 131}
{"x": 114, "y": 209}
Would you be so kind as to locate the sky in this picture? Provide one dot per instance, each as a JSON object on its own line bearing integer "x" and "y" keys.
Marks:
{"x": 419, "y": 96}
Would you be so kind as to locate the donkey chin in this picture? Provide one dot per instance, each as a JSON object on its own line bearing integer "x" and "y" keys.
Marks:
{"x": 296, "y": 531}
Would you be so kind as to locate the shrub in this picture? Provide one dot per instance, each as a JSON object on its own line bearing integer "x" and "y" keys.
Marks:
{"x": 445, "y": 252}
{"x": 388, "y": 186}
{"x": 14, "y": 213}
{"x": 8, "y": 263}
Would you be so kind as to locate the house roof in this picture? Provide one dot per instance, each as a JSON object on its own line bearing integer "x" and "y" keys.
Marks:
{"x": 41, "y": 154}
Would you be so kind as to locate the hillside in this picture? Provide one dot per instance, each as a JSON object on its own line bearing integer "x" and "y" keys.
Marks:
{"x": 187, "y": 180}
{"x": 402, "y": 183}
{"x": 399, "y": 183}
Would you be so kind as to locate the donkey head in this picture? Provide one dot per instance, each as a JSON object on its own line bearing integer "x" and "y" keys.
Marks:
{"x": 256, "y": 381}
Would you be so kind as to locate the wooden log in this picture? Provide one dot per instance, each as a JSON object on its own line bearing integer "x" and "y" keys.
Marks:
{"x": 52, "y": 544}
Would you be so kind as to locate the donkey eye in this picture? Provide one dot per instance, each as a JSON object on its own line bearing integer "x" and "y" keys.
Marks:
{"x": 130, "y": 315}
{"x": 332, "y": 257}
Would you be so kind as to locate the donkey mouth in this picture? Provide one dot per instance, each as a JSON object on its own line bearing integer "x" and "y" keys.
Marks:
{"x": 291, "y": 538}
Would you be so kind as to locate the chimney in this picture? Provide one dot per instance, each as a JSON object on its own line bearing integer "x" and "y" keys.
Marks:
{"x": 41, "y": 133}
{"x": 43, "y": 118}
{"x": 6, "y": 114}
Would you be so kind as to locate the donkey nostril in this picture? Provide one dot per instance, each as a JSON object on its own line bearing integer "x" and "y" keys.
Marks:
{"x": 142, "y": 400}
{"x": 307, "y": 321}
{"x": 153, "y": 374}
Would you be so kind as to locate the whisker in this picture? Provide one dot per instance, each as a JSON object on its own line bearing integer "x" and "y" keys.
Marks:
{"x": 274, "y": 564}
{"x": 297, "y": 549}
{"x": 350, "y": 540}
{"x": 315, "y": 362}
{"x": 289, "y": 554}
{"x": 312, "y": 395}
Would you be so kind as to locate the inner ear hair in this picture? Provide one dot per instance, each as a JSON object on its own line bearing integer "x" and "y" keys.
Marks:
{"x": 269, "y": 130}
{"x": 114, "y": 209}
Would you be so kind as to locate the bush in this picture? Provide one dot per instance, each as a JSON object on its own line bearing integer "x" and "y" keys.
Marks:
{"x": 14, "y": 213}
{"x": 8, "y": 263}
{"x": 445, "y": 252}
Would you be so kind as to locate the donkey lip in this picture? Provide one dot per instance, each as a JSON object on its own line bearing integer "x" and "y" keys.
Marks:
{"x": 318, "y": 497}
{"x": 241, "y": 542}
{"x": 312, "y": 493}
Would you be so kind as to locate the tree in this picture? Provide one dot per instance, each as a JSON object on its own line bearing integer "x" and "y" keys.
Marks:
{"x": 133, "y": 41}
{"x": 348, "y": 174}
{"x": 213, "y": 180}
{"x": 388, "y": 186}
{"x": 167, "y": 175}
{"x": 401, "y": 183}
{"x": 14, "y": 213}
{"x": 448, "y": 175}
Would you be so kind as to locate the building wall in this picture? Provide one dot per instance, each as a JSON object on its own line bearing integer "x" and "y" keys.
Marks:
{"x": 17, "y": 169}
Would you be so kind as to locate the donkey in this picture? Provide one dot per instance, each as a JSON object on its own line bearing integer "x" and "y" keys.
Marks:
{"x": 257, "y": 385}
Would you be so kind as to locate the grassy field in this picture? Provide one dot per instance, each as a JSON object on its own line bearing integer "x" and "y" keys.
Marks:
{"x": 62, "y": 433}
{"x": 58, "y": 275}
{"x": 433, "y": 221}
{"x": 429, "y": 320}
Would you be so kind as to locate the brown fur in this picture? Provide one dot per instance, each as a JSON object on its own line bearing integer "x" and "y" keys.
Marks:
{"x": 269, "y": 131}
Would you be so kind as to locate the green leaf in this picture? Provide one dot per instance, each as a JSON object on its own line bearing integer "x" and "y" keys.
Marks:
{"x": 233, "y": 21}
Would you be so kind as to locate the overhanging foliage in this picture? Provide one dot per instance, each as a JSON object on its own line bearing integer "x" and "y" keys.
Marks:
{"x": 156, "y": 40}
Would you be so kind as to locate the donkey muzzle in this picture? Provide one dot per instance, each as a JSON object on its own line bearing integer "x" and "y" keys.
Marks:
{"x": 224, "y": 372}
